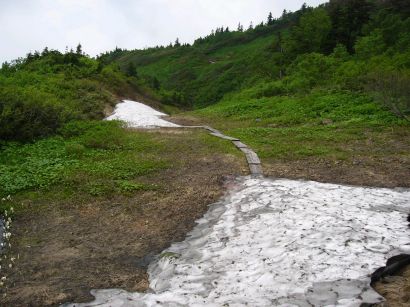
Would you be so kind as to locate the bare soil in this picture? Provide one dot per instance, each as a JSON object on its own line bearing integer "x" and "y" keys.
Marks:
{"x": 361, "y": 171}
{"x": 396, "y": 289}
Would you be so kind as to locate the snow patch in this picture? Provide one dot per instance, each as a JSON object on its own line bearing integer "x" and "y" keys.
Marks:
{"x": 279, "y": 243}
{"x": 138, "y": 115}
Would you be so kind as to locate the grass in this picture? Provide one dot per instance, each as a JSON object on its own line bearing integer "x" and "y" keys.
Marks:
{"x": 336, "y": 125}
{"x": 101, "y": 159}
{"x": 96, "y": 159}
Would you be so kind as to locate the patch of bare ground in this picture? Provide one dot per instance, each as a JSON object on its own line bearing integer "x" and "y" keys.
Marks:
{"x": 185, "y": 120}
{"x": 396, "y": 289}
{"x": 68, "y": 247}
{"x": 361, "y": 171}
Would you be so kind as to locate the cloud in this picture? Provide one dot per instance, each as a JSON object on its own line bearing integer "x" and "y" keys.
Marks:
{"x": 101, "y": 25}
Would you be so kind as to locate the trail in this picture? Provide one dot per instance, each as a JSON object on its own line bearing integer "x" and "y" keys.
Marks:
{"x": 278, "y": 242}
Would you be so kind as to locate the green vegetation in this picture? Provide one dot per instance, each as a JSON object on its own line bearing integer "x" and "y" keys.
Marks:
{"x": 42, "y": 92}
{"x": 329, "y": 124}
{"x": 353, "y": 45}
{"x": 94, "y": 157}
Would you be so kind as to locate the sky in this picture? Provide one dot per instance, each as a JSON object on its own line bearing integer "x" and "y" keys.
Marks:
{"x": 101, "y": 25}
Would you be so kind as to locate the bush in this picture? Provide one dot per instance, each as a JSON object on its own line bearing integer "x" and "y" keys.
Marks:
{"x": 310, "y": 70}
{"x": 370, "y": 45}
{"x": 270, "y": 89}
{"x": 75, "y": 150}
{"x": 391, "y": 89}
{"x": 105, "y": 135}
{"x": 28, "y": 114}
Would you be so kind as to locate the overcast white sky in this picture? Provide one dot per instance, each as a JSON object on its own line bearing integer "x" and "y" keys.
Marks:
{"x": 101, "y": 25}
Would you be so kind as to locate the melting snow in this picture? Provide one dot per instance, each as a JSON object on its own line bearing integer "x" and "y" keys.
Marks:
{"x": 138, "y": 115}
{"x": 279, "y": 243}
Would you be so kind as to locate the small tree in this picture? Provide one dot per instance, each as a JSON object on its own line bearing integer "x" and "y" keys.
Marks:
{"x": 311, "y": 32}
{"x": 79, "y": 49}
{"x": 240, "y": 27}
{"x": 45, "y": 51}
{"x": 177, "y": 43}
{"x": 270, "y": 19}
{"x": 131, "y": 70}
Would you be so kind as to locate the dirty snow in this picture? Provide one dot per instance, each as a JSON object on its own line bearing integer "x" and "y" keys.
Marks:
{"x": 138, "y": 115}
{"x": 279, "y": 243}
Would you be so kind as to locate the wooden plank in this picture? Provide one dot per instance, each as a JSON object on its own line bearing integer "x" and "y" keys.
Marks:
{"x": 223, "y": 136}
{"x": 256, "y": 169}
{"x": 212, "y": 129}
{"x": 202, "y": 127}
{"x": 251, "y": 156}
{"x": 239, "y": 144}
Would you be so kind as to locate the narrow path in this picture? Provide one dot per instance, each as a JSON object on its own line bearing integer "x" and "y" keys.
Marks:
{"x": 255, "y": 166}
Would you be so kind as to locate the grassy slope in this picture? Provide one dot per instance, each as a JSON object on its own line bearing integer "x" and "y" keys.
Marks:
{"x": 203, "y": 73}
{"x": 319, "y": 124}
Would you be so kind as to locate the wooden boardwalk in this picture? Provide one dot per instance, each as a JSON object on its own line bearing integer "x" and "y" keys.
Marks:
{"x": 255, "y": 166}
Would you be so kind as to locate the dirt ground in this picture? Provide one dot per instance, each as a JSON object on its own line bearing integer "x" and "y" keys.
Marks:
{"x": 362, "y": 172}
{"x": 396, "y": 289}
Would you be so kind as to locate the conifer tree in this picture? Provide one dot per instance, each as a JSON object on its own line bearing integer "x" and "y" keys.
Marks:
{"x": 45, "y": 51}
{"x": 270, "y": 19}
{"x": 131, "y": 70}
{"x": 79, "y": 49}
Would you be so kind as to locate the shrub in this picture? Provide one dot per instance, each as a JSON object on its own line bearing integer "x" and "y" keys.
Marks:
{"x": 75, "y": 150}
{"x": 28, "y": 114}
{"x": 391, "y": 89}
{"x": 370, "y": 45}
{"x": 105, "y": 135}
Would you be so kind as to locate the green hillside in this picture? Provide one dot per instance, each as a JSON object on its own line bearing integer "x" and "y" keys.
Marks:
{"x": 325, "y": 86}
{"x": 43, "y": 91}
{"x": 354, "y": 45}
